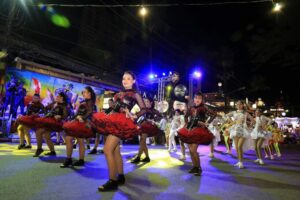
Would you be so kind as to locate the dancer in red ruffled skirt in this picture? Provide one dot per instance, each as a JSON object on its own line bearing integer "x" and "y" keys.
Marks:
{"x": 27, "y": 121}
{"x": 196, "y": 131}
{"x": 119, "y": 125}
{"x": 148, "y": 129}
{"x": 53, "y": 121}
{"x": 80, "y": 127}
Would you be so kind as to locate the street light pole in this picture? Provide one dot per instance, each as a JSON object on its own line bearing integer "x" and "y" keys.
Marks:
{"x": 220, "y": 87}
{"x": 190, "y": 89}
{"x": 199, "y": 85}
{"x": 143, "y": 12}
{"x": 150, "y": 47}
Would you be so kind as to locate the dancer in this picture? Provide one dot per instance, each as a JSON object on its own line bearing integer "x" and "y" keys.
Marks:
{"x": 53, "y": 121}
{"x": 226, "y": 134}
{"x": 177, "y": 96}
{"x": 119, "y": 125}
{"x": 238, "y": 131}
{"x": 213, "y": 127}
{"x": 27, "y": 121}
{"x": 277, "y": 137}
{"x": 176, "y": 124}
{"x": 148, "y": 129}
{"x": 162, "y": 125}
{"x": 80, "y": 127}
{"x": 167, "y": 131}
{"x": 259, "y": 133}
{"x": 269, "y": 151}
{"x": 196, "y": 131}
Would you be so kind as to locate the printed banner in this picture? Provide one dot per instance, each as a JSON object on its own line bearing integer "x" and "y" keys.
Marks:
{"x": 47, "y": 86}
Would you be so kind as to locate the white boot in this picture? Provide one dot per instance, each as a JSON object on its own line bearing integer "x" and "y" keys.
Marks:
{"x": 261, "y": 162}
{"x": 182, "y": 157}
{"x": 241, "y": 166}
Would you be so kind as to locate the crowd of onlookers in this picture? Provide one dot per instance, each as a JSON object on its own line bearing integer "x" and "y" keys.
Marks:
{"x": 291, "y": 135}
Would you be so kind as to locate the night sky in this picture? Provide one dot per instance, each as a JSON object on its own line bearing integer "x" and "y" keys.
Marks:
{"x": 254, "y": 47}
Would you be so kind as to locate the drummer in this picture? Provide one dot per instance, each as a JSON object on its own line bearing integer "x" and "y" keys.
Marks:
{"x": 177, "y": 96}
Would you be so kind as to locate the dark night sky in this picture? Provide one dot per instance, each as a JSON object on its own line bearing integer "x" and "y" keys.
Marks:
{"x": 182, "y": 37}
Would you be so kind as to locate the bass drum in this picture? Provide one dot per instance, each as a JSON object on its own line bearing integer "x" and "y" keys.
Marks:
{"x": 180, "y": 92}
{"x": 162, "y": 106}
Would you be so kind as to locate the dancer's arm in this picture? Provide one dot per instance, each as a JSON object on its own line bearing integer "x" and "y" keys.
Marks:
{"x": 141, "y": 104}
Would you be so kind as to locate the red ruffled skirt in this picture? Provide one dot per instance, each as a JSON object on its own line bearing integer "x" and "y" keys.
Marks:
{"x": 99, "y": 119}
{"x": 28, "y": 120}
{"x": 78, "y": 129}
{"x": 119, "y": 125}
{"x": 99, "y": 122}
{"x": 116, "y": 124}
{"x": 49, "y": 123}
{"x": 150, "y": 129}
{"x": 197, "y": 135}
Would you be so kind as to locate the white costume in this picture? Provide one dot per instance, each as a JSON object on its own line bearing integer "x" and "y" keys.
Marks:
{"x": 259, "y": 131}
{"x": 240, "y": 128}
{"x": 214, "y": 130}
{"x": 176, "y": 124}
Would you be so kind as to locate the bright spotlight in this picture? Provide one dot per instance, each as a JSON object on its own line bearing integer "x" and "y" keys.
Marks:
{"x": 143, "y": 11}
{"x": 277, "y": 7}
{"x": 197, "y": 74}
{"x": 151, "y": 76}
{"x": 283, "y": 114}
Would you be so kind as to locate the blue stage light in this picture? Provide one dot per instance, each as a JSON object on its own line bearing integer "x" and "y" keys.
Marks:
{"x": 151, "y": 76}
{"x": 197, "y": 74}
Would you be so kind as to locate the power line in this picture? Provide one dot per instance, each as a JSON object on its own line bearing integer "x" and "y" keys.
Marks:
{"x": 152, "y": 5}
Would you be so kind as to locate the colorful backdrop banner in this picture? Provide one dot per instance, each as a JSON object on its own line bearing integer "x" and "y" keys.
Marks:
{"x": 48, "y": 87}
